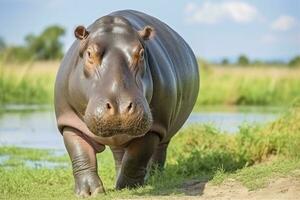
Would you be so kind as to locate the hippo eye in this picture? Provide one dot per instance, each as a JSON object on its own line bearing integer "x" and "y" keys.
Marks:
{"x": 141, "y": 54}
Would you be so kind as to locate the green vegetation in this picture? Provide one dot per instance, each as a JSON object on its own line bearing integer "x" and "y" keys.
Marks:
{"x": 33, "y": 83}
{"x": 253, "y": 156}
{"x": 2, "y": 44}
{"x": 30, "y": 84}
{"x": 295, "y": 62}
{"x": 31, "y": 154}
{"x": 243, "y": 60}
{"x": 256, "y": 85}
{"x": 225, "y": 61}
{"x": 258, "y": 176}
{"x": 47, "y": 45}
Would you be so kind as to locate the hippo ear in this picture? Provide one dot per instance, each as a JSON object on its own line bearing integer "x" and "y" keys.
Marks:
{"x": 147, "y": 33}
{"x": 81, "y": 32}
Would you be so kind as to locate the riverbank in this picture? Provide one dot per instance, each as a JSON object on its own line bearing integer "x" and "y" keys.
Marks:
{"x": 33, "y": 83}
{"x": 202, "y": 162}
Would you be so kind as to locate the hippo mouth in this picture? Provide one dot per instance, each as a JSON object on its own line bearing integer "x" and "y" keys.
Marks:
{"x": 107, "y": 127}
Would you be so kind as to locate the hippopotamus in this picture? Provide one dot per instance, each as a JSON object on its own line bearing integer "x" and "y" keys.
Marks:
{"x": 128, "y": 82}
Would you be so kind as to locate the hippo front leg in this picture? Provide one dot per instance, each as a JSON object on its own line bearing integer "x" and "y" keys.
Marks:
{"x": 135, "y": 161}
{"x": 84, "y": 163}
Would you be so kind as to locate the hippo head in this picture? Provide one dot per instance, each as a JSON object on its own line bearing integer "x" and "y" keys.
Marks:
{"x": 114, "y": 64}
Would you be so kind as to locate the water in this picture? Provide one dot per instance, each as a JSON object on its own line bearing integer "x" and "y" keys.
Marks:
{"x": 33, "y": 163}
{"x": 44, "y": 164}
{"x": 37, "y": 128}
{"x": 230, "y": 122}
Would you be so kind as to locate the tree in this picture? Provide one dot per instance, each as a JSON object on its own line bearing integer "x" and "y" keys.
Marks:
{"x": 225, "y": 61}
{"x": 295, "y": 62}
{"x": 46, "y": 46}
{"x": 243, "y": 60}
{"x": 2, "y": 44}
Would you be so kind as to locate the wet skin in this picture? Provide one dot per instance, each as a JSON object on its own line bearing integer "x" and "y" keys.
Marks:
{"x": 128, "y": 82}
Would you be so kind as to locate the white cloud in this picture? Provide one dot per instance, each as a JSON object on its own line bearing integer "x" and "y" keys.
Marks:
{"x": 211, "y": 13}
{"x": 283, "y": 23}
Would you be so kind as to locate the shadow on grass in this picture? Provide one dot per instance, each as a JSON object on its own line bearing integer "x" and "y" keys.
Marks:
{"x": 190, "y": 174}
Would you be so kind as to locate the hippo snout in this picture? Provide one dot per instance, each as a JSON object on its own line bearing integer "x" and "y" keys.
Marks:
{"x": 114, "y": 108}
{"x": 108, "y": 118}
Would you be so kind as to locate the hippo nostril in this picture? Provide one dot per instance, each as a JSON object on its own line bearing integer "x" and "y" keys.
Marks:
{"x": 130, "y": 107}
{"x": 108, "y": 106}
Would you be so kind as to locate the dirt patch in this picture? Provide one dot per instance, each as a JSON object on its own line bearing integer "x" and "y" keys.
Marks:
{"x": 279, "y": 189}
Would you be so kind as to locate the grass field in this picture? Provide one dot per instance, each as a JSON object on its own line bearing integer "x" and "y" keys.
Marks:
{"x": 251, "y": 157}
{"x": 254, "y": 85}
{"x": 32, "y": 83}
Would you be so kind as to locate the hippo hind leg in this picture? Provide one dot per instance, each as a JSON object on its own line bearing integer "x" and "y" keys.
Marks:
{"x": 135, "y": 161}
{"x": 158, "y": 158}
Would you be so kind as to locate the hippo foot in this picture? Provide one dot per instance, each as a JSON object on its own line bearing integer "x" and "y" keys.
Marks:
{"x": 129, "y": 182}
{"x": 88, "y": 184}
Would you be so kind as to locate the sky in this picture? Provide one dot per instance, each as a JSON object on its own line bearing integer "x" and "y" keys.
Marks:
{"x": 261, "y": 29}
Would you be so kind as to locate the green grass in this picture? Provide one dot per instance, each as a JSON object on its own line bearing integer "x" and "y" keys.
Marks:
{"x": 258, "y": 176}
{"x": 31, "y": 154}
{"x": 253, "y": 156}
{"x": 232, "y": 85}
{"x": 33, "y": 83}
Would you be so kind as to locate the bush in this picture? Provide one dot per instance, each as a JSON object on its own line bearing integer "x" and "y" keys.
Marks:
{"x": 243, "y": 60}
{"x": 2, "y": 44}
{"x": 295, "y": 62}
{"x": 225, "y": 61}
